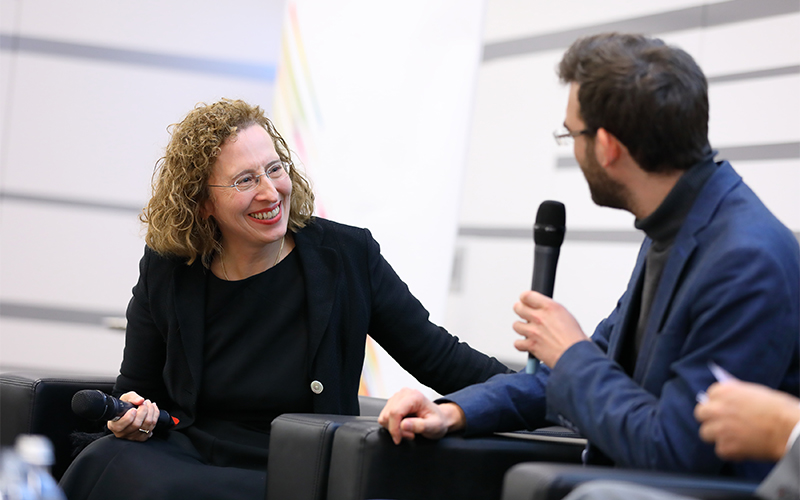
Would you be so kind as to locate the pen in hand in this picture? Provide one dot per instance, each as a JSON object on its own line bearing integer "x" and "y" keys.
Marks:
{"x": 720, "y": 374}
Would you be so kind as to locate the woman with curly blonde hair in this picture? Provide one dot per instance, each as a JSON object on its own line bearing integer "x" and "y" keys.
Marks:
{"x": 247, "y": 307}
{"x": 174, "y": 216}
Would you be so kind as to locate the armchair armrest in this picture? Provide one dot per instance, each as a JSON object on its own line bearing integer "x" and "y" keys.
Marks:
{"x": 300, "y": 454}
{"x": 547, "y": 481}
{"x": 40, "y": 403}
{"x": 365, "y": 463}
{"x": 300, "y": 451}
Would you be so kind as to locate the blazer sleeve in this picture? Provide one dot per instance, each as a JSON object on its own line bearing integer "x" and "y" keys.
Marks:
{"x": 518, "y": 401}
{"x": 145, "y": 351}
{"x": 400, "y": 324}
{"x": 738, "y": 309}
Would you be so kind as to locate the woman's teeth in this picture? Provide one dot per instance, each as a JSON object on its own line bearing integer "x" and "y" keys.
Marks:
{"x": 266, "y": 215}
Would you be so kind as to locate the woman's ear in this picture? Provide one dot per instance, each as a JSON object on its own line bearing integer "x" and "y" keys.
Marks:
{"x": 607, "y": 148}
{"x": 207, "y": 208}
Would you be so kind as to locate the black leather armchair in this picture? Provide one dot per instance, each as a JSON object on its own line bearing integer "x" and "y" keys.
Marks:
{"x": 40, "y": 403}
{"x": 35, "y": 402}
{"x": 314, "y": 457}
{"x": 549, "y": 481}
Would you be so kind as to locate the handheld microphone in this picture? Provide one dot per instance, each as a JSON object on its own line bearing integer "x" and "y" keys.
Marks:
{"x": 548, "y": 234}
{"x": 97, "y": 405}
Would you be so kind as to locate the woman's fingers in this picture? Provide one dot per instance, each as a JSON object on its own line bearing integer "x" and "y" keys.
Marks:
{"x": 137, "y": 424}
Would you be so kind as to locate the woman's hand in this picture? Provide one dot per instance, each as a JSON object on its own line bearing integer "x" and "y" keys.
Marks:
{"x": 138, "y": 423}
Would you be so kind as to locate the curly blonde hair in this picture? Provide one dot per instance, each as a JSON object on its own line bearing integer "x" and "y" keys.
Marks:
{"x": 173, "y": 216}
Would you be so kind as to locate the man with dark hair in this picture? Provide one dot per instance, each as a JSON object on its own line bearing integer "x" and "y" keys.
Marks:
{"x": 716, "y": 283}
{"x": 652, "y": 97}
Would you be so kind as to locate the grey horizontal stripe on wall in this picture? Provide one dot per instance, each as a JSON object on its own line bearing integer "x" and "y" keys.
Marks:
{"x": 60, "y": 315}
{"x": 751, "y": 75}
{"x": 254, "y": 71}
{"x": 66, "y": 202}
{"x": 702, "y": 16}
{"x": 623, "y": 236}
{"x": 761, "y": 152}
{"x": 596, "y": 236}
{"x": 757, "y": 152}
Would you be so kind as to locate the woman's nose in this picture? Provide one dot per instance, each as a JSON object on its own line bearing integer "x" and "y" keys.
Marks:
{"x": 266, "y": 187}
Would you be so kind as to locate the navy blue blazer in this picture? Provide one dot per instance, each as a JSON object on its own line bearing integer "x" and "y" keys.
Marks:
{"x": 352, "y": 291}
{"x": 728, "y": 294}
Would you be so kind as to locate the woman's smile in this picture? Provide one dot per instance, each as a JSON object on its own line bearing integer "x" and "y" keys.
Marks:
{"x": 267, "y": 216}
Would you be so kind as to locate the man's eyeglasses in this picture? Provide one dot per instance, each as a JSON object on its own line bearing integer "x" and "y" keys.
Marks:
{"x": 565, "y": 137}
{"x": 275, "y": 171}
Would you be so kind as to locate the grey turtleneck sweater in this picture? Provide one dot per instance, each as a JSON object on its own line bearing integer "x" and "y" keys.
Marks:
{"x": 662, "y": 227}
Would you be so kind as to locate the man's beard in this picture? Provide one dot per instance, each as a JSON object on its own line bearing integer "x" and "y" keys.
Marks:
{"x": 606, "y": 192}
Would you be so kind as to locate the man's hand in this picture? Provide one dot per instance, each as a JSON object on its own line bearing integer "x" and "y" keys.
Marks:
{"x": 409, "y": 413}
{"x": 549, "y": 329}
{"x": 747, "y": 421}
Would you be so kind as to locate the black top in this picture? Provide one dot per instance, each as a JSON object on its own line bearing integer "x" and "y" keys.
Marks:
{"x": 253, "y": 371}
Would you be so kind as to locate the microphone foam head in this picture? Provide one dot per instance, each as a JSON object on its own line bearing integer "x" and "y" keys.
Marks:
{"x": 89, "y": 404}
{"x": 551, "y": 220}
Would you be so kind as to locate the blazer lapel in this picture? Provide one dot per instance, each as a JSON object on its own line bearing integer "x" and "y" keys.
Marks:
{"x": 667, "y": 287}
{"x": 711, "y": 195}
{"x": 190, "y": 298}
{"x": 320, "y": 265}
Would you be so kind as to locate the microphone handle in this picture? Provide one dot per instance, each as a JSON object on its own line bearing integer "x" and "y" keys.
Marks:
{"x": 165, "y": 421}
{"x": 120, "y": 408}
{"x": 544, "y": 269}
{"x": 544, "y": 278}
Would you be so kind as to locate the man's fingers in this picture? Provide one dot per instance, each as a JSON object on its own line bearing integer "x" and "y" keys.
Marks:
{"x": 523, "y": 345}
{"x": 708, "y": 432}
{"x": 395, "y": 422}
{"x": 527, "y": 313}
{"x": 534, "y": 299}
{"x": 412, "y": 426}
{"x": 399, "y": 406}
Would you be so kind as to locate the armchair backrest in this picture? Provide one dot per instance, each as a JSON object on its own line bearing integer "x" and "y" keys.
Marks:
{"x": 35, "y": 403}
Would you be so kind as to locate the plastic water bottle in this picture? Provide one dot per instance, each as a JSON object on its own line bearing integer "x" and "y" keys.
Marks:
{"x": 24, "y": 470}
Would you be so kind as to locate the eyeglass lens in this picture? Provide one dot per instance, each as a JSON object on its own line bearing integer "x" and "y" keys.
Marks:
{"x": 274, "y": 171}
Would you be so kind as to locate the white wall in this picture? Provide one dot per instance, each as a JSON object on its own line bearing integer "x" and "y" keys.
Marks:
{"x": 87, "y": 92}
{"x": 749, "y": 50}
{"x": 386, "y": 92}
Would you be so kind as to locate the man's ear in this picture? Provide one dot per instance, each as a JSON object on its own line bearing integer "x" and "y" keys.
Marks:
{"x": 607, "y": 148}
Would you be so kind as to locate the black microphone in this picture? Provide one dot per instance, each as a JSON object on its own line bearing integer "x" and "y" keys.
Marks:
{"x": 97, "y": 405}
{"x": 548, "y": 234}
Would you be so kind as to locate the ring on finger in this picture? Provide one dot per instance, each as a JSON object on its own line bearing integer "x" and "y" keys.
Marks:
{"x": 144, "y": 431}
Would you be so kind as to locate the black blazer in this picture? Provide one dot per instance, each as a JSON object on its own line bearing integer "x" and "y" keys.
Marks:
{"x": 352, "y": 291}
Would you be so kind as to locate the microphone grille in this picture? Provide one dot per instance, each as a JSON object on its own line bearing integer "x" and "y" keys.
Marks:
{"x": 89, "y": 404}
{"x": 551, "y": 220}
